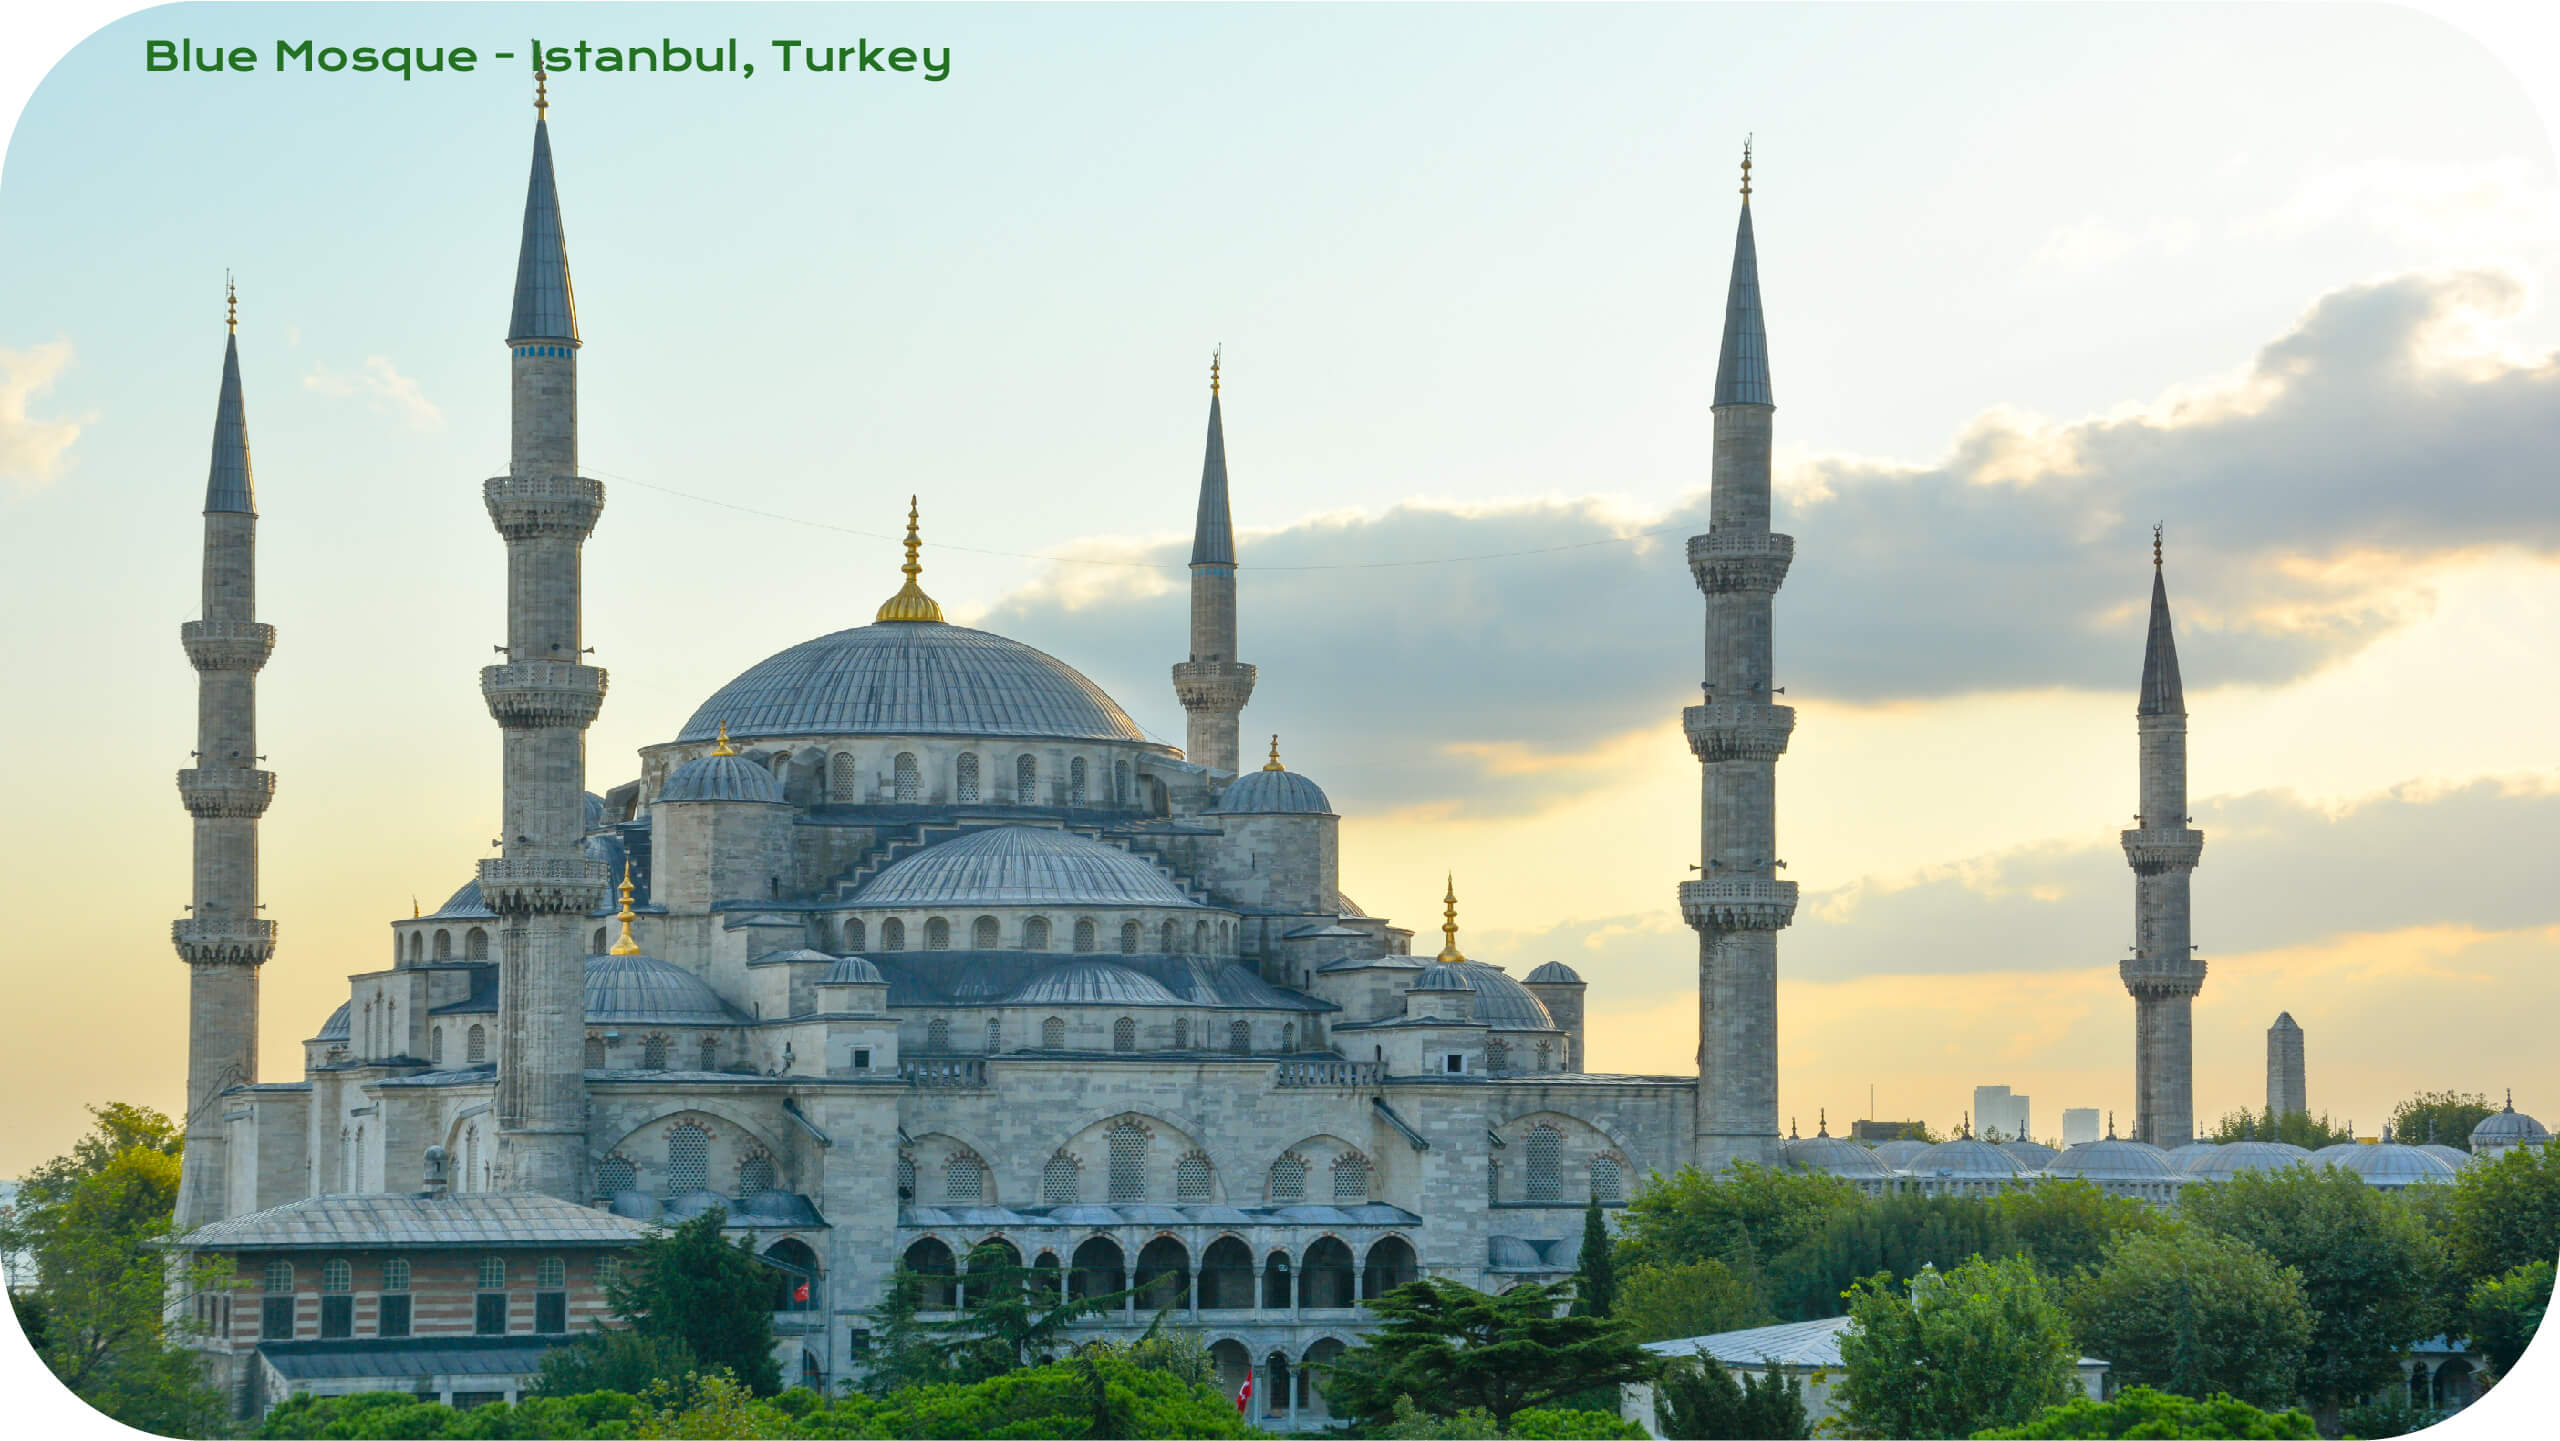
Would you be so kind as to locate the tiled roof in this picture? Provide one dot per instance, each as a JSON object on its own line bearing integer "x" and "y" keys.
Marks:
{"x": 497, "y": 1218}
{"x": 1213, "y": 535}
{"x": 545, "y": 307}
{"x": 416, "y": 1356}
{"x": 228, "y": 488}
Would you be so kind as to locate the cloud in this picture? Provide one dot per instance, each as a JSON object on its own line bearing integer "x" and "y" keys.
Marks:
{"x": 2304, "y": 501}
{"x": 381, "y": 383}
{"x": 32, "y": 450}
{"x": 2093, "y": 244}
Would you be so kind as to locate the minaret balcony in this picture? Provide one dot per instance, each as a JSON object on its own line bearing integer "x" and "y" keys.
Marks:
{"x": 1724, "y": 561}
{"x": 1726, "y": 731}
{"x": 228, "y": 644}
{"x": 2152, "y": 978}
{"x": 223, "y": 940}
{"x": 541, "y": 694}
{"x": 516, "y": 886}
{"x": 1738, "y": 904}
{"x": 527, "y": 507}
{"x": 226, "y": 793}
{"x": 1214, "y": 685}
{"x": 2154, "y": 850}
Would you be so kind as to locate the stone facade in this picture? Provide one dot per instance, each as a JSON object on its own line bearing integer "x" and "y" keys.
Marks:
{"x": 2285, "y": 1082}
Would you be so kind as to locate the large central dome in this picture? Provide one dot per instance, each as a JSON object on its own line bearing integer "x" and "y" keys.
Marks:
{"x": 905, "y": 679}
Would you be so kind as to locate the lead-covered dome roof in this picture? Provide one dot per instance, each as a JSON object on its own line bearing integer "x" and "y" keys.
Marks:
{"x": 721, "y": 778}
{"x": 1964, "y": 1158}
{"x": 1273, "y": 793}
{"x": 1834, "y": 1156}
{"x": 463, "y": 905}
{"x": 1501, "y": 1002}
{"x": 910, "y": 678}
{"x": 2113, "y": 1160}
{"x": 642, "y": 990}
{"x": 1555, "y": 973}
{"x": 1093, "y": 983}
{"x": 2507, "y": 1128}
{"x": 2390, "y": 1164}
{"x": 2221, "y": 1163}
{"x": 1021, "y": 866}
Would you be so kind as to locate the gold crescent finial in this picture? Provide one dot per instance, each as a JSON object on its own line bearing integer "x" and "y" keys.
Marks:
{"x": 911, "y": 603}
{"x": 230, "y": 304}
{"x": 721, "y": 746}
{"x": 625, "y": 946}
{"x": 541, "y": 90}
{"x": 1214, "y": 357}
{"x": 1449, "y": 949}
{"x": 413, "y": 907}
{"x": 2155, "y": 547}
{"x": 1273, "y": 764}
{"x": 1746, "y": 169}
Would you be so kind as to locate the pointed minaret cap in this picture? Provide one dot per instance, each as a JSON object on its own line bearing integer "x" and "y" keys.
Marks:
{"x": 911, "y": 603}
{"x": 546, "y": 308}
{"x": 1273, "y": 764}
{"x": 2162, "y": 692}
{"x": 1742, "y": 367}
{"x": 228, "y": 486}
{"x": 1213, "y": 537}
{"x": 2285, "y": 1021}
{"x": 625, "y": 945}
{"x": 1825, "y": 1115}
{"x": 1449, "y": 928}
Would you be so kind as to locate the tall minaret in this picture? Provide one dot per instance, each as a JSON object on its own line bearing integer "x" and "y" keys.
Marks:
{"x": 223, "y": 940}
{"x": 2163, "y": 973}
{"x": 1738, "y": 904}
{"x": 1213, "y": 685}
{"x": 2285, "y": 1080}
{"x": 543, "y": 699}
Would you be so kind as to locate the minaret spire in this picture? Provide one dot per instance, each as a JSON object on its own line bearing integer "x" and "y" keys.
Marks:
{"x": 2163, "y": 973}
{"x": 223, "y": 939}
{"x": 543, "y": 699}
{"x": 1213, "y": 685}
{"x": 1449, "y": 926}
{"x": 1738, "y": 904}
{"x": 911, "y": 603}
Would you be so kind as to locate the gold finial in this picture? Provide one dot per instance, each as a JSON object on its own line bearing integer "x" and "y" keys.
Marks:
{"x": 1746, "y": 169}
{"x": 2155, "y": 547}
{"x": 721, "y": 747}
{"x": 413, "y": 908}
{"x": 230, "y": 304}
{"x": 1213, "y": 368}
{"x": 541, "y": 91}
{"x": 911, "y": 603}
{"x": 625, "y": 946}
{"x": 1449, "y": 950}
{"x": 1273, "y": 764}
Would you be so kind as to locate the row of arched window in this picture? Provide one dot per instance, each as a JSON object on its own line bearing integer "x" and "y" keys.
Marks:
{"x": 475, "y": 945}
{"x": 658, "y": 1052}
{"x": 1542, "y": 1171}
{"x": 1124, "y": 1181}
{"x": 1124, "y": 1035}
{"x": 906, "y": 786}
{"x": 1324, "y": 1277}
{"x": 1497, "y": 1056}
{"x": 1085, "y": 934}
{"x": 688, "y": 1168}
{"x": 475, "y": 1044}
{"x": 278, "y": 1317}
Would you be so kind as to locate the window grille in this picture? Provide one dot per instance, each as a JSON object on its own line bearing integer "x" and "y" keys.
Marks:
{"x": 1546, "y": 1054}
{"x": 964, "y": 1180}
{"x": 1053, "y": 1034}
{"x": 1351, "y": 1178}
{"x": 937, "y": 1034}
{"x": 475, "y": 1045}
{"x": 444, "y": 945}
{"x": 893, "y": 934}
{"x": 1120, "y": 782}
{"x": 1084, "y": 935}
{"x": 493, "y": 1273}
{"x": 550, "y": 1273}
{"x": 1058, "y": 1182}
{"x": 1497, "y": 1056}
{"x": 653, "y": 1053}
{"x": 853, "y": 935}
{"x": 1035, "y": 934}
{"x": 708, "y": 1050}
{"x": 1608, "y": 1180}
{"x": 842, "y": 784}
{"x": 755, "y": 1175}
{"x": 1546, "y": 1163}
{"x": 615, "y": 1175}
{"x": 475, "y": 946}
{"x": 937, "y": 934}
{"x": 906, "y": 1177}
{"x": 1124, "y": 1034}
{"x": 1288, "y": 1180}
{"x": 995, "y": 1035}
{"x": 1075, "y": 781}
{"x": 435, "y": 1045}
{"x": 1182, "y": 1033}
{"x": 1240, "y": 1037}
{"x": 337, "y": 1278}
{"x": 1168, "y": 938}
{"x": 966, "y": 790}
{"x": 982, "y": 933}
{"x": 595, "y": 1053}
{"x": 1026, "y": 781}
{"x": 1128, "y": 938}
{"x": 395, "y": 1274}
{"x": 688, "y": 1159}
{"x": 1191, "y": 1178}
{"x": 909, "y": 780}
{"x": 1128, "y": 1163}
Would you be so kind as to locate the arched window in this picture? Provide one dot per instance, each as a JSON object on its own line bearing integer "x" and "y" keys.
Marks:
{"x": 279, "y": 1276}
{"x": 1608, "y": 1180}
{"x": 550, "y": 1273}
{"x": 995, "y": 1034}
{"x": 1124, "y": 1034}
{"x": 964, "y": 1180}
{"x": 337, "y": 1277}
{"x": 1053, "y": 1034}
{"x": 444, "y": 945}
{"x": 1128, "y": 1163}
{"x": 1288, "y": 1037}
{"x": 1084, "y": 935}
{"x": 1240, "y": 1037}
{"x": 965, "y": 788}
{"x": 1026, "y": 780}
{"x": 493, "y": 1273}
{"x": 596, "y": 942}
{"x": 906, "y": 1177}
{"x": 1058, "y": 1181}
{"x": 708, "y": 1051}
{"x": 475, "y": 1045}
{"x": 435, "y": 1045}
{"x": 1546, "y": 1054}
{"x": 470, "y": 1160}
{"x": 653, "y": 1053}
{"x": 843, "y": 784}
{"x": 688, "y": 1159}
{"x": 1182, "y": 1033}
{"x": 615, "y": 1175}
{"x": 1128, "y": 938}
{"x": 1350, "y": 1178}
{"x": 1200, "y": 938}
{"x": 755, "y": 1175}
{"x": 417, "y": 945}
{"x": 1075, "y": 781}
{"x": 395, "y": 1274}
{"x": 1546, "y": 1163}
{"x": 1191, "y": 1179}
{"x": 854, "y": 939}
{"x": 909, "y": 780}
{"x": 595, "y": 1053}
{"x": 1119, "y": 782}
{"x": 937, "y": 1034}
{"x": 937, "y": 934}
{"x": 1035, "y": 934}
{"x": 475, "y": 944}
{"x": 982, "y": 933}
{"x": 1289, "y": 1180}
{"x": 893, "y": 934}
{"x": 1168, "y": 938}
{"x": 1497, "y": 1055}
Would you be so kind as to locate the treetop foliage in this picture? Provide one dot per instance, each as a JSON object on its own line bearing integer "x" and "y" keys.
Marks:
{"x": 1452, "y": 1348}
{"x": 2439, "y": 1118}
{"x": 2144, "y": 1412}
{"x": 1949, "y": 1352}
{"x": 691, "y": 1285}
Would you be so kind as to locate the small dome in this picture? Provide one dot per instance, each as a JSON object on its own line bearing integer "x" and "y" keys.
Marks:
{"x": 721, "y": 778}
{"x": 2113, "y": 1160}
{"x": 1898, "y": 1154}
{"x": 1554, "y": 973}
{"x": 1501, "y": 1002}
{"x": 1093, "y": 983}
{"x": 2453, "y": 1156}
{"x": 642, "y": 990}
{"x": 1835, "y": 1156}
{"x": 2181, "y": 1157}
{"x": 1964, "y": 1159}
{"x": 1022, "y": 866}
{"x": 1273, "y": 793}
{"x": 1442, "y": 978}
{"x": 2391, "y": 1166}
{"x": 853, "y": 971}
{"x": 2221, "y": 1163}
{"x": 337, "y": 1027}
{"x": 637, "y": 1205}
{"x": 2030, "y": 1155}
{"x": 911, "y": 679}
{"x": 463, "y": 905}
{"x": 2509, "y": 1127}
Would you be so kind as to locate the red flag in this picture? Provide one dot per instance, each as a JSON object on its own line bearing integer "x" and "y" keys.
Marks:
{"x": 1244, "y": 1397}
{"x": 800, "y": 1293}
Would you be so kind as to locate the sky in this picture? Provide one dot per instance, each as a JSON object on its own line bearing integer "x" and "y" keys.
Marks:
{"x": 2036, "y": 279}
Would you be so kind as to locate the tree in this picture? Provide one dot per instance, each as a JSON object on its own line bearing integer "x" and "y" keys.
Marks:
{"x": 1598, "y": 1292}
{"x": 2195, "y": 1314}
{"x": 2439, "y": 1118}
{"x": 1981, "y": 1345}
{"x": 2502, "y": 1313}
{"x": 1014, "y": 1319}
{"x": 1697, "y": 1399}
{"x": 2294, "y": 1128}
{"x": 2505, "y": 1211}
{"x": 1737, "y": 1215}
{"x": 2066, "y": 1225}
{"x": 1900, "y": 1233}
{"x": 1694, "y": 1298}
{"x": 2370, "y": 1269}
{"x": 689, "y": 1285}
{"x": 614, "y": 1358}
{"x": 2142, "y": 1411}
{"x": 1451, "y": 1347}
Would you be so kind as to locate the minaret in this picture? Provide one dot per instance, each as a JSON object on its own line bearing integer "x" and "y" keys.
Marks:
{"x": 223, "y": 940}
{"x": 2286, "y": 1091}
{"x": 1738, "y": 905}
{"x": 543, "y": 698}
{"x": 2163, "y": 973}
{"x": 1213, "y": 685}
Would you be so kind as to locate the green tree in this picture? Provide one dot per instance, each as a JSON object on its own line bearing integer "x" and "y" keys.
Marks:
{"x": 1015, "y": 1318}
{"x": 1547, "y": 1423}
{"x": 1177, "y": 1351}
{"x": 1451, "y": 1347}
{"x": 2370, "y": 1269}
{"x": 2142, "y": 1411}
{"x": 1739, "y": 1215}
{"x": 1694, "y": 1298}
{"x": 1598, "y": 1292}
{"x": 2197, "y": 1314}
{"x": 714, "y": 1408}
{"x": 1982, "y": 1345}
{"x": 2505, "y": 1211}
{"x": 1062, "y": 1399}
{"x": 2439, "y": 1118}
{"x": 1697, "y": 1399}
{"x": 613, "y": 1358}
{"x": 1899, "y": 1233}
{"x": 2294, "y": 1128}
{"x": 692, "y": 1286}
{"x": 2065, "y": 1225}
{"x": 2502, "y": 1313}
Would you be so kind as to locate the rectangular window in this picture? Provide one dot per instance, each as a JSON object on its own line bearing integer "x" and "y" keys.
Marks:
{"x": 551, "y": 1312}
{"x": 489, "y": 1314}
{"x": 1455, "y": 1062}
{"x": 862, "y": 1058}
{"x": 395, "y": 1316}
{"x": 337, "y": 1317}
{"x": 275, "y": 1318}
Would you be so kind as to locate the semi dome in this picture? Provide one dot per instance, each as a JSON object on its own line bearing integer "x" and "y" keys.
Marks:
{"x": 2391, "y": 1165}
{"x": 721, "y": 778}
{"x": 1965, "y": 1159}
{"x": 2113, "y": 1160}
{"x": 2221, "y": 1163}
{"x": 463, "y": 905}
{"x": 1273, "y": 793}
{"x": 911, "y": 678}
{"x": 1093, "y": 983}
{"x": 1554, "y": 973}
{"x": 642, "y": 990}
{"x": 853, "y": 971}
{"x": 1021, "y": 866}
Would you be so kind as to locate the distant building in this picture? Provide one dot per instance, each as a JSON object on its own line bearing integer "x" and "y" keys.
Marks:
{"x": 1884, "y": 1130}
{"x": 2285, "y": 1088}
{"x": 2079, "y": 1125}
{"x": 1808, "y": 1351}
{"x": 1995, "y": 1109}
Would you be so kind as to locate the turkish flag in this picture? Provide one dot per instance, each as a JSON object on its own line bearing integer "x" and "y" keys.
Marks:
{"x": 800, "y": 1293}
{"x": 1244, "y": 1397}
